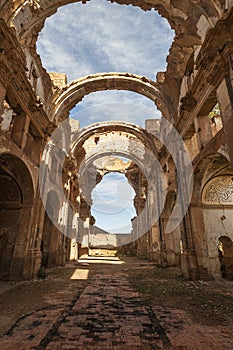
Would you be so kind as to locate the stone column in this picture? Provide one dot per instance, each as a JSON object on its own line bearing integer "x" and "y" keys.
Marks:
{"x": 34, "y": 254}
{"x": 200, "y": 240}
{"x": 54, "y": 248}
{"x": 188, "y": 256}
{"x": 172, "y": 243}
{"x": 225, "y": 99}
{"x": 155, "y": 249}
{"x": 21, "y": 244}
{"x": 139, "y": 204}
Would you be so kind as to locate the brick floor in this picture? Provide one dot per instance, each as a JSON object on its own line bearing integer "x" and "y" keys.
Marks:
{"x": 110, "y": 315}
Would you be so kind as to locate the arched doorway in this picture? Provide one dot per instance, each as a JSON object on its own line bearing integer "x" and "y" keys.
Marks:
{"x": 16, "y": 200}
{"x": 211, "y": 211}
{"x": 225, "y": 253}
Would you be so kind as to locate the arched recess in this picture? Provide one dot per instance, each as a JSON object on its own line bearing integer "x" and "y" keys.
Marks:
{"x": 211, "y": 211}
{"x": 16, "y": 203}
{"x": 217, "y": 197}
{"x": 53, "y": 242}
{"x": 65, "y": 99}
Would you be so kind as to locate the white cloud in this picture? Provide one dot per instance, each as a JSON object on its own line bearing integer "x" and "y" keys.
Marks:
{"x": 113, "y": 206}
{"x": 113, "y": 191}
{"x": 115, "y": 105}
{"x": 100, "y": 36}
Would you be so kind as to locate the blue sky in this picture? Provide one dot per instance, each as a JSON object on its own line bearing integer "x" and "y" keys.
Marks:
{"x": 100, "y": 36}
{"x": 113, "y": 206}
{"x": 114, "y": 105}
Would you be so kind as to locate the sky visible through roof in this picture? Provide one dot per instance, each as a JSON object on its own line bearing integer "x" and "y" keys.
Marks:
{"x": 100, "y": 36}
{"x": 113, "y": 208}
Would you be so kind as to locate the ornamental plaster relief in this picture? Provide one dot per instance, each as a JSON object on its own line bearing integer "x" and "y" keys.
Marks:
{"x": 219, "y": 190}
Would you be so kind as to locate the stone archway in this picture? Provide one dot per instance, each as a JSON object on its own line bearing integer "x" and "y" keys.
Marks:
{"x": 177, "y": 13}
{"x": 16, "y": 201}
{"x": 64, "y": 100}
{"x": 131, "y": 142}
{"x": 28, "y": 18}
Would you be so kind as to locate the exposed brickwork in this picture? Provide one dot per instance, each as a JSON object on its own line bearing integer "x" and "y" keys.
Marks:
{"x": 110, "y": 315}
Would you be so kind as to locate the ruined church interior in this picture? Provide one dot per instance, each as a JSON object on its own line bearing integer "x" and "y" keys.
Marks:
{"x": 173, "y": 169}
